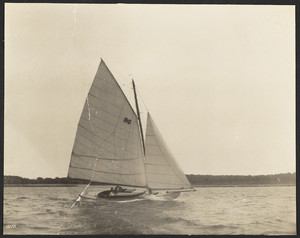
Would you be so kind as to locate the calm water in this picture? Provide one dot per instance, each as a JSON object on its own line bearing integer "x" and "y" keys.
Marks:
{"x": 209, "y": 210}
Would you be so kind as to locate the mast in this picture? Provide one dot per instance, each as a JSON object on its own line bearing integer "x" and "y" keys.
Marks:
{"x": 138, "y": 115}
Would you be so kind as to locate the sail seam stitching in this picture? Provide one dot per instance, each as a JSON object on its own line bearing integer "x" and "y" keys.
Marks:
{"x": 102, "y": 130}
{"x": 101, "y": 158}
{"x": 106, "y": 122}
{"x": 99, "y": 171}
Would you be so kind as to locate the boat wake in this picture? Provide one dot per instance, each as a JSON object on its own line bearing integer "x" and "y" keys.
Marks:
{"x": 155, "y": 198}
{"x": 128, "y": 201}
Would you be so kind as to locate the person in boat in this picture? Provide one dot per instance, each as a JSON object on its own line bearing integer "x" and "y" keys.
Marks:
{"x": 119, "y": 189}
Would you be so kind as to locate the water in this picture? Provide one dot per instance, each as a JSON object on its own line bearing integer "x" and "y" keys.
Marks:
{"x": 209, "y": 210}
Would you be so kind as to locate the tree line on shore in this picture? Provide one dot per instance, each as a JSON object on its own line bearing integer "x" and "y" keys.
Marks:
{"x": 209, "y": 180}
{"x": 284, "y": 179}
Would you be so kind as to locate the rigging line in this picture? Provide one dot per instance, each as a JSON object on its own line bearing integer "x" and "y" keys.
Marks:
{"x": 95, "y": 165}
{"x": 96, "y": 158}
{"x": 142, "y": 100}
{"x": 139, "y": 122}
{"x": 79, "y": 198}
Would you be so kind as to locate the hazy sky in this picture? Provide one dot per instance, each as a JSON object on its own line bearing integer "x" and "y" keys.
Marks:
{"x": 219, "y": 81}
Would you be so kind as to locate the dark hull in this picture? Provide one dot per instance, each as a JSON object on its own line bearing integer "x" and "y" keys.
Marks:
{"x": 120, "y": 196}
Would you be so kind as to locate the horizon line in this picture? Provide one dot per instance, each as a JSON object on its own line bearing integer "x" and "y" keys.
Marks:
{"x": 184, "y": 174}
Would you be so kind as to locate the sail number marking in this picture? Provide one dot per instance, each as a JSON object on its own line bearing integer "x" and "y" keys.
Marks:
{"x": 128, "y": 121}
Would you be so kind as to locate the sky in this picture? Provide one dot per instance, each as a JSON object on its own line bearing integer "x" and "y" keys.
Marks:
{"x": 218, "y": 80}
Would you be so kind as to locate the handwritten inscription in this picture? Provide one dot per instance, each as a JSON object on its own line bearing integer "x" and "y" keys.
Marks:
{"x": 14, "y": 226}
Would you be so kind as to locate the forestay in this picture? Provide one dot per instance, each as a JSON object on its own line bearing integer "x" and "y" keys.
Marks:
{"x": 107, "y": 146}
{"x": 162, "y": 172}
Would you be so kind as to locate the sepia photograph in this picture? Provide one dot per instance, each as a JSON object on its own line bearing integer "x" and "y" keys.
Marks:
{"x": 149, "y": 119}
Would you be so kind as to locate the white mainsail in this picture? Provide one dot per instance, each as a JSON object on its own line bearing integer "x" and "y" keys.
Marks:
{"x": 107, "y": 146}
{"x": 162, "y": 172}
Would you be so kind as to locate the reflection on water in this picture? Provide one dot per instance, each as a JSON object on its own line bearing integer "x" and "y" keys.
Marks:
{"x": 209, "y": 210}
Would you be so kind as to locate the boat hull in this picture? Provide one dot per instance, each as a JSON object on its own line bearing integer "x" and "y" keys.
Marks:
{"x": 120, "y": 196}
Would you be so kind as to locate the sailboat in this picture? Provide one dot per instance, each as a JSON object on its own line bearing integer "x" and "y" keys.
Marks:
{"x": 109, "y": 146}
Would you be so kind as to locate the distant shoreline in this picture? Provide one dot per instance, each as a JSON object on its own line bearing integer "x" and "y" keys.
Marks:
{"x": 195, "y": 185}
{"x": 246, "y": 185}
{"x": 44, "y": 185}
{"x": 284, "y": 179}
